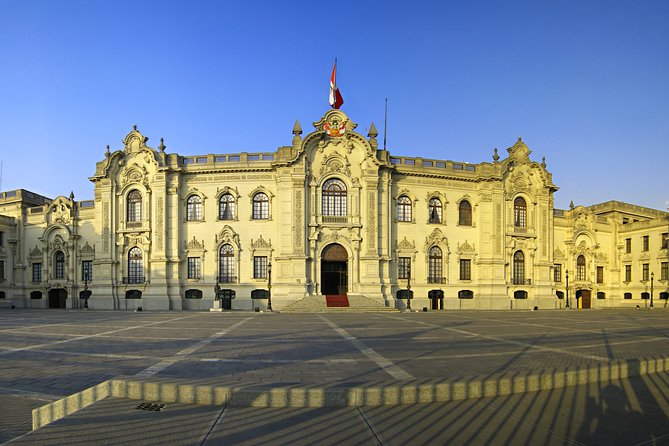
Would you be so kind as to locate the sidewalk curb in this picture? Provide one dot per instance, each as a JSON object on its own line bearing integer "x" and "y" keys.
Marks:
{"x": 379, "y": 394}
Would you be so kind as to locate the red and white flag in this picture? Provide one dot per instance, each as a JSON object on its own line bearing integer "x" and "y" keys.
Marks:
{"x": 335, "y": 96}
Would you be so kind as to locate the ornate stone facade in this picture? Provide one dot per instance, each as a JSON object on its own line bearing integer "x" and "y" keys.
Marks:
{"x": 165, "y": 231}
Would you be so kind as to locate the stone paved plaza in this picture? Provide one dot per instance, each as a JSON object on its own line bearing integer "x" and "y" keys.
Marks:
{"x": 45, "y": 355}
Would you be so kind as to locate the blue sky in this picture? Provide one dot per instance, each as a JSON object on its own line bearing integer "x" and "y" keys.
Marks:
{"x": 585, "y": 83}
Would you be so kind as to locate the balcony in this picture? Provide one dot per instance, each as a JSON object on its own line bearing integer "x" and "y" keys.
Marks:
{"x": 335, "y": 219}
{"x": 436, "y": 280}
{"x": 521, "y": 281}
{"x": 227, "y": 279}
{"x": 134, "y": 280}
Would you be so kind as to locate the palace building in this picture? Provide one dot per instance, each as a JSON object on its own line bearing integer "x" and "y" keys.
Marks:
{"x": 329, "y": 214}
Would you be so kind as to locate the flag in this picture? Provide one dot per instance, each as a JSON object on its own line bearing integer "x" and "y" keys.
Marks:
{"x": 335, "y": 96}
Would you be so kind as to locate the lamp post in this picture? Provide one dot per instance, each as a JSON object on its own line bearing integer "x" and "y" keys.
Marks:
{"x": 652, "y": 277}
{"x": 409, "y": 287}
{"x": 567, "y": 277}
{"x": 269, "y": 286}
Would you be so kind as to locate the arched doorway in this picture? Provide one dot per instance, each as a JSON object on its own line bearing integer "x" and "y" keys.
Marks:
{"x": 437, "y": 299}
{"x": 334, "y": 270}
{"x": 57, "y": 298}
{"x": 583, "y": 298}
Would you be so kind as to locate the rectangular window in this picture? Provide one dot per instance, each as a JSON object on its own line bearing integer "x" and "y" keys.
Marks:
{"x": 644, "y": 271}
{"x": 645, "y": 243}
{"x": 403, "y": 267}
{"x": 557, "y": 272}
{"x": 2, "y": 270}
{"x": 87, "y": 270}
{"x": 664, "y": 271}
{"x": 260, "y": 267}
{"x": 664, "y": 240}
{"x": 600, "y": 274}
{"x": 37, "y": 272}
{"x": 628, "y": 273}
{"x": 2, "y": 238}
{"x": 465, "y": 269}
{"x": 628, "y": 245}
{"x": 193, "y": 267}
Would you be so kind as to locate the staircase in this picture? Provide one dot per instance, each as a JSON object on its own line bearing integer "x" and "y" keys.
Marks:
{"x": 358, "y": 303}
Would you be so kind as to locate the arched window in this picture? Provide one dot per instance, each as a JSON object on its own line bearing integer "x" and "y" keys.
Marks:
{"x": 260, "y": 206}
{"x": 226, "y": 264}
{"x": 519, "y": 268}
{"x": 194, "y": 208}
{"x": 465, "y": 213}
{"x": 60, "y": 265}
{"x": 226, "y": 207}
{"x": 134, "y": 206}
{"x": 334, "y": 198}
{"x": 135, "y": 266}
{"x": 403, "y": 208}
{"x": 519, "y": 213}
{"x": 580, "y": 268}
{"x": 435, "y": 210}
{"x": 434, "y": 271}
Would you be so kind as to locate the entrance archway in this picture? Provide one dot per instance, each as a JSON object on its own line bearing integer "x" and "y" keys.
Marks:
{"x": 334, "y": 270}
{"x": 437, "y": 299}
{"x": 58, "y": 298}
{"x": 583, "y": 298}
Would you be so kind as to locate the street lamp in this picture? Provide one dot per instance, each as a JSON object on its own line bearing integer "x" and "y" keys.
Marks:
{"x": 269, "y": 286}
{"x": 652, "y": 277}
{"x": 567, "y": 277}
{"x": 409, "y": 286}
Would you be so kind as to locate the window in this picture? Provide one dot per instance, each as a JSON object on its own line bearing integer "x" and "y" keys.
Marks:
{"x": 135, "y": 266}
{"x": 559, "y": 294}
{"x": 664, "y": 271}
{"x": 37, "y": 272}
{"x": 87, "y": 270}
{"x": 60, "y": 265}
{"x": 226, "y": 207}
{"x": 627, "y": 296}
{"x": 601, "y": 295}
{"x": 645, "y": 295}
{"x": 664, "y": 295}
{"x": 194, "y": 208}
{"x": 465, "y": 294}
{"x": 628, "y": 245}
{"x": 403, "y": 267}
{"x": 645, "y": 243}
{"x": 133, "y": 294}
{"x": 644, "y": 272}
{"x": 520, "y": 294}
{"x": 519, "y": 213}
{"x": 600, "y": 274}
{"x": 628, "y": 273}
{"x": 260, "y": 294}
{"x": 334, "y": 198}
{"x": 465, "y": 269}
{"x": 35, "y": 294}
{"x": 580, "y": 268}
{"x": 226, "y": 264}
{"x": 2, "y": 270}
{"x": 557, "y": 272}
{"x": 134, "y": 206}
{"x": 2, "y": 238}
{"x": 435, "y": 211}
{"x": 194, "y": 267}
{"x": 465, "y": 213}
{"x": 260, "y": 206}
{"x": 518, "y": 268}
{"x": 260, "y": 267}
{"x": 434, "y": 271}
{"x": 193, "y": 294}
{"x": 404, "y": 208}
{"x": 664, "y": 240}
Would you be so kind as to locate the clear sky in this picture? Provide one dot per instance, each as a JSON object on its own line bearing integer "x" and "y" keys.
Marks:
{"x": 585, "y": 83}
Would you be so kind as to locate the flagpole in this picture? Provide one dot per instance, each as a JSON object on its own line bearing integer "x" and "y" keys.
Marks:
{"x": 385, "y": 124}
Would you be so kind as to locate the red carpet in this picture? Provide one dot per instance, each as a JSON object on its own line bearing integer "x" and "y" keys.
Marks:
{"x": 337, "y": 300}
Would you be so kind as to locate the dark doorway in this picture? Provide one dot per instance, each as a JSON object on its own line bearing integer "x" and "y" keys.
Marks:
{"x": 57, "y": 298}
{"x": 226, "y": 297}
{"x": 437, "y": 299}
{"x": 334, "y": 270}
{"x": 585, "y": 298}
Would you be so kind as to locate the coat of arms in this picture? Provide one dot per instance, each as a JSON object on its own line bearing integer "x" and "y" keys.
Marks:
{"x": 335, "y": 128}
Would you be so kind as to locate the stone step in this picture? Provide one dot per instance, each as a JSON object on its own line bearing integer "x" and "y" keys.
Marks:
{"x": 358, "y": 303}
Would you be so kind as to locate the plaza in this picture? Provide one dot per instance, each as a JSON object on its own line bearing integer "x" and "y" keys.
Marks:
{"x": 518, "y": 376}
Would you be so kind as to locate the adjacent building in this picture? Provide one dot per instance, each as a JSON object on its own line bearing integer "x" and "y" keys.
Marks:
{"x": 331, "y": 213}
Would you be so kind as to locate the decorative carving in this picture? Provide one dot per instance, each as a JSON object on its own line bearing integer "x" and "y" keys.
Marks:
{"x": 436, "y": 238}
{"x": 260, "y": 243}
{"x": 298, "y": 220}
{"x": 194, "y": 244}
{"x": 334, "y": 252}
{"x": 558, "y": 254}
{"x": 371, "y": 221}
{"x": 405, "y": 244}
{"x": 60, "y": 211}
{"x": 105, "y": 226}
{"x": 87, "y": 249}
{"x": 160, "y": 217}
{"x": 36, "y": 252}
{"x": 227, "y": 235}
{"x": 465, "y": 247}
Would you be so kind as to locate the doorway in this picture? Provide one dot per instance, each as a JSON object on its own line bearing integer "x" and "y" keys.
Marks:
{"x": 583, "y": 297}
{"x": 437, "y": 299}
{"x": 334, "y": 270}
{"x": 58, "y": 298}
